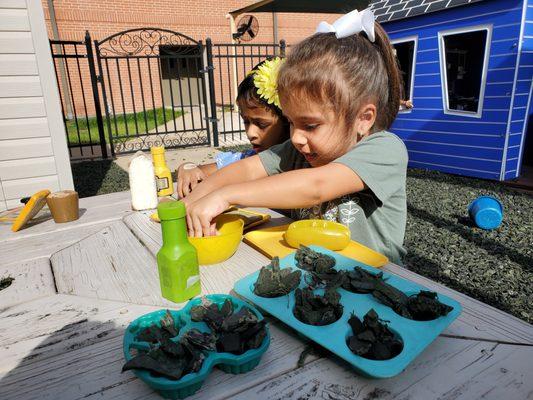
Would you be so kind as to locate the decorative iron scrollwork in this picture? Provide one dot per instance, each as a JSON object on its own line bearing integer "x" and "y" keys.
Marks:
{"x": 146, "y": 42}
{"x": 169, "y": 140}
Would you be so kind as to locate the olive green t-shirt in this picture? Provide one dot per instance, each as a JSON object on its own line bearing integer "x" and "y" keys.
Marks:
{"x": 376, "y": 216}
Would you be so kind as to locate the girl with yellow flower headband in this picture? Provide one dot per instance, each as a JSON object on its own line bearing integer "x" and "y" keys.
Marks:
{"x": 264, "y": 123}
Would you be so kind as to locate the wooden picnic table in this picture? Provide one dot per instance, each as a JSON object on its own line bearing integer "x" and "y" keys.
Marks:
{"x": 78, "y": 285}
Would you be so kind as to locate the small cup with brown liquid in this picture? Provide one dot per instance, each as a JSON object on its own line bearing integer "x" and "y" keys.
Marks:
{"x": 64, "y": 206}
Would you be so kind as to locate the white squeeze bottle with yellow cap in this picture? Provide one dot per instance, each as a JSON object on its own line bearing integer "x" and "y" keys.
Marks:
{"x": 162, "y": 172}
{"x": 142, "y": 183}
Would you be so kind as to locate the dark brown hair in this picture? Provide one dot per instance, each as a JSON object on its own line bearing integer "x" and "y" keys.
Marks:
{"x": 247, "y": 94}
{"x": 345, "y": 73}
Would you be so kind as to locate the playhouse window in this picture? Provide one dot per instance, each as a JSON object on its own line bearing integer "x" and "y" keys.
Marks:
{"x": 464, "y": 58}
{"x": 405, "y": 53}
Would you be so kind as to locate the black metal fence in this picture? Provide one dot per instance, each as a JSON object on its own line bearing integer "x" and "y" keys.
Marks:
{"x": 150, "y": 86}
{"x": 154, "y": 88}
{"x": 230, "y": 63}
{"x": 77, "y": 81}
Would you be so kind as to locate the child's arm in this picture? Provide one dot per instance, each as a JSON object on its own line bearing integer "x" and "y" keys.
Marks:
{"x": 244, "y": 170}
{"x": 192, "y": 176}
{"x": 293, "y": 189}
{"x": 189, "y": 175}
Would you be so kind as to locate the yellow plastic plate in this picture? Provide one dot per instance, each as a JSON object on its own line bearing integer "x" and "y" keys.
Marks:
{"x": 250, "y": 218}
{"x": 271, "y": 242}
{"x": 32, "y": 207}
{"x": 328, "y": 234}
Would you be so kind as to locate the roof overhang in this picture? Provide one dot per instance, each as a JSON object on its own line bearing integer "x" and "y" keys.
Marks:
{"x": 303, "y": 6}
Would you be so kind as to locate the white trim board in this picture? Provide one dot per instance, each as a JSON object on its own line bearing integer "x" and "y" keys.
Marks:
{"x": 444, "y": 79}
{"x": 413, "y": 38}
{"x": 511, "y": 106}
{"x": 524, "y": 133}
{"x": 50, "y": 94}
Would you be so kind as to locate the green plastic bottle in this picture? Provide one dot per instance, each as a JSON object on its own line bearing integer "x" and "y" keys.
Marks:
{"x": 177, "y": 261}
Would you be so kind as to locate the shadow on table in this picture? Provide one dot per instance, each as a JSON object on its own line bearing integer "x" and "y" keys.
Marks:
{"x": 47, "y": 216}
{"x": 82, "y": 359}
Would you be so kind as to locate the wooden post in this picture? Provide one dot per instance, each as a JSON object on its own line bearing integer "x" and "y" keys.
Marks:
{"x": 234, "y": 63}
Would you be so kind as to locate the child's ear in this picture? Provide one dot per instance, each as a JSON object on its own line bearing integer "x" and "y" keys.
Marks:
{"x": 366, "y": 117}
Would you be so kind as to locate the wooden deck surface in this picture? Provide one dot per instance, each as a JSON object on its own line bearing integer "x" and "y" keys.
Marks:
{"x": 78, "y": 285}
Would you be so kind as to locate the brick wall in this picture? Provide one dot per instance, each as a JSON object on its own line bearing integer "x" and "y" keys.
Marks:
{"x": 196, "y": 19}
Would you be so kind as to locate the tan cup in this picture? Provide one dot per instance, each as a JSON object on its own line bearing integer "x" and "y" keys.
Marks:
{"x": 64, "y": 206}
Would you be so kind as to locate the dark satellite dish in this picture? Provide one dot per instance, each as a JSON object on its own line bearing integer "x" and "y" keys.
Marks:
{"x": 247, "y": 28}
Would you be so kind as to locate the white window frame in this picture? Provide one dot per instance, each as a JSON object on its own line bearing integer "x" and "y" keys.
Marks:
{"x": 413, "y": 38}
{"x": 443, "y": 77}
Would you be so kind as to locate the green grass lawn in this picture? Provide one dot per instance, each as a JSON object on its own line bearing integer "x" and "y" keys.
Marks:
{"x": 120, "y": 128}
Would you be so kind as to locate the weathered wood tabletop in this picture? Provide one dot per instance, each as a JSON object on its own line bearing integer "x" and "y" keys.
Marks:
{"x": 78, "y": 285}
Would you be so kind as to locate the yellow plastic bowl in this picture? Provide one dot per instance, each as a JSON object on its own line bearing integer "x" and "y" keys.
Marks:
{"x": 215, "y": 249}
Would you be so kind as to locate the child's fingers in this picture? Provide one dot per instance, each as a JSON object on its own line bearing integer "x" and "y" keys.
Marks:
{"x": 190, "y": 230}
{"x": 199, "y": 177}
{"x": 213, "y": 230}
{"x": 185, "y": 188}
{"x": 194, "y": 183}
{"x": 206, "y": 227}
{"x": 181, "y": 186}
{"x": 202, "y": 226}
{"x": 192, "y": 225}
{"x": 199, "y": 228}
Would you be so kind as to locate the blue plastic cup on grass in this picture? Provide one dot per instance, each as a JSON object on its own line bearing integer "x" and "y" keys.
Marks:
{"x": 486, "y": 212}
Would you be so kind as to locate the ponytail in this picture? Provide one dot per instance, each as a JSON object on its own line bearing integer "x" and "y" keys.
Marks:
{"x": 395, "y": 80}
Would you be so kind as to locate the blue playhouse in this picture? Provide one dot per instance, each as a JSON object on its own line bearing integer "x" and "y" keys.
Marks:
{"x": 468, "y": 68}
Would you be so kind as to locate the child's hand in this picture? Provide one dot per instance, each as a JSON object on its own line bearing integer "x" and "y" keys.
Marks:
{"x": 201, "y": 214}
{"x": 189, "y": 175}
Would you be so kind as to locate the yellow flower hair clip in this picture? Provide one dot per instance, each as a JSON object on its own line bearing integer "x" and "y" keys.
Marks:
{"x": 265, "y": 80}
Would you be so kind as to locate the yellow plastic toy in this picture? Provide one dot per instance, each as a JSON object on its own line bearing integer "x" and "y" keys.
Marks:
{"x": 328, "y": 234}
{"x": 271, "y": 242}
{"x": 215, "y": 249}
{"x": 29, "y": 210}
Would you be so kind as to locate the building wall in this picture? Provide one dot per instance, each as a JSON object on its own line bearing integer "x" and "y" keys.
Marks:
{"x": 33, "y": 151}
{"x": 450, "y": 143}
{"x": 522, "y": 103}
{"x": 196, "y": 19}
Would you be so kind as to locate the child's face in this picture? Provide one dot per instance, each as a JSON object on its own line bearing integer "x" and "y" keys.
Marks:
{"x": 263, "y": 127}
{"x": 315, "y": 132}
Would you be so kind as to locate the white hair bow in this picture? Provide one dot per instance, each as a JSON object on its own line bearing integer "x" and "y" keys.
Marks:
{"x": 350, "y": 24}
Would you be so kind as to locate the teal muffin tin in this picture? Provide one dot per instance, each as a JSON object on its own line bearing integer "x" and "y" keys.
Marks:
{"x": 415, "y": 335}
{"x": 190, "y": 383}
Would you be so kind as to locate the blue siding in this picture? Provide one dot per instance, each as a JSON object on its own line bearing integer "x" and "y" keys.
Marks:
{"x": 521, "y": 99}
{"x": 460, "y": 144}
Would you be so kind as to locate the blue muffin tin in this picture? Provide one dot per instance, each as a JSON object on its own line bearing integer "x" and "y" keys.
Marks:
{"x": 190, "y": 383}
{"x": 415, "y": 335}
